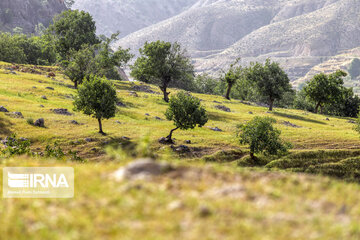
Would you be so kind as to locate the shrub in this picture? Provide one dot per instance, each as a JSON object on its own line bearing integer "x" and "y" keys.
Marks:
{"x": 30, "y": 121}
{"x": 54, "y": 151}
{"x": 186, "y": 112}
{"x": 16, "y": 146}
{"x": 262, "y": 137}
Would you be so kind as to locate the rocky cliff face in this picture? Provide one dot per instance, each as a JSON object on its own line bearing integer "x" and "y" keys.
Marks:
{"x": 27, "y": 14}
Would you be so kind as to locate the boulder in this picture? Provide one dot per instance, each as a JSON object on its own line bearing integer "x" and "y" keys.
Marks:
{"x": 74, "y": 122}
{"x": 141, "y": 169}
{"x": 223, "y": 108}
{"x": 120, "y": 104}
{"x": 44, "y": 97}
{"x": 216, "y": 129}
{"x": 3, "y": 109}
{"x": 188, "y": 141}
{"x": 50, "y": 88}
{"x": 61, "y": 111}
{"x": 181, "y": 149}
{"x": 39, "y": 123}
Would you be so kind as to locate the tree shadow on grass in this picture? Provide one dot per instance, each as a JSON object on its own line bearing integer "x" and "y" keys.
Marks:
{"x": 296, "y": 117}
{"x": 4, "y": 126}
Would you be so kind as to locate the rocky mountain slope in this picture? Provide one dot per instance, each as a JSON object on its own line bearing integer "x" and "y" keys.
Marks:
{"x": 27, "y": 14}
{"x": 129, "y": 16}
{"x": 299, "y": 34}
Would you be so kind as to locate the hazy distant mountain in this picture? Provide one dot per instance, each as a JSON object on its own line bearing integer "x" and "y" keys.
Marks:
{"x": 300, "y": 34}
{"x": 27, "y": 14}
{"x": 128, "y": 16}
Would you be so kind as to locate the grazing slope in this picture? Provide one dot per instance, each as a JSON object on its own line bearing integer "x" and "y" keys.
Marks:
{"x": 221, "y": 200}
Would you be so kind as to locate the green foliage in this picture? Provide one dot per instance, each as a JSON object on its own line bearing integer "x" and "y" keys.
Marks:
{"x": 186, "y": 112}
{"x": 346, "y": 105}
{"x": 19, "y": 48}
{"x": 163, "y": 64}
{"x": 97, "y": 97}
{"x": 107, "y": 59}
{"x": 206, "y": 84}
{"x": 74, "y": 156}
{"x": 30, "y": 121}
{"x": 262, "y": 137}
{"x": 71, "y": 30}
{"x": 302, "y": 102}
{"x": 325, "y": 89}
{"x": 80, "y": 65}
{"x": 269, "y": 79}
{"x": 54, "y": 151}
{"x": 232, "y": 76}
{"x": 354, "y": 69}
{"x": 15, "y": 146}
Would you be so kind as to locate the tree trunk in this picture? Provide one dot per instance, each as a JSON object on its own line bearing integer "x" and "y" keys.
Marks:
{"x": 166, "y": 94}
{"x": 100, "y": 126}
{"x": 169, "y": 138}
{"x": 271, "y": 104}
{"x": 227, "y": 96}
{"x": 317, "y": 107}
{"x": 76, "y": 84}
{"x": 252, "y": 156}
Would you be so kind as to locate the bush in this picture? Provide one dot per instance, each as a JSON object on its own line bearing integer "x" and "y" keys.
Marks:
{"x": 54, "y": 152}
{"x": 186, "y": 112}
{"x": 30, "y": 121}
{"x": 262, "y": 137}
{"x": 16, "y": 146}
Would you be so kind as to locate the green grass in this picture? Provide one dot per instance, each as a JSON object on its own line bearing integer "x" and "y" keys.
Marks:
{"x": 269, "y": 201}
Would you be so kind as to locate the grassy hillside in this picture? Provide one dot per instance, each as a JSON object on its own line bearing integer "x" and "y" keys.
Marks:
{"x": 208, "y": 195}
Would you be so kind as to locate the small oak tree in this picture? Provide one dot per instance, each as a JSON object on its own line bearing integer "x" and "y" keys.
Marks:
{"x": 232, "y": 76}
{"x": 80, "y": 65}
{"x": 262, "y": 137}
{"x": 269, "y": 80}
{"x": 186, "y": 112}
{"x": 96, "y": 97}
{"x": 162, "y": 63}
{"x": 325, "y": 89}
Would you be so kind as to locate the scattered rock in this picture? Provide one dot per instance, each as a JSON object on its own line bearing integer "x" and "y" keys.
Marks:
{"x": 188, "y": 141}
{"x": 50, "y": 88}
{"x": 133, "y": 94}
{"x": 157, "y": 118}
{"x": 175, "y": 205}
{"x": 51, "y": 74}
{"x": 181, "y": 149}
{"x": 74, "y": 122}
{"x": 3, "y": 109}
{"x": 61, "y": 111}
{"x": 216, "y": 129}
{"x": 251, "y": 113}
{"x": 217, "y": 102}
{"x": 39, "y": 123}
{"x": 141, "y": 169}
{"x": 289, "y": 124}
{"x": 88, "y": 140}
{"x": 146, "y": 114}
{"x": 327, "y": 119}
{"x": 41, "y": 106}
{"x": 44, "y": 97}
{"x": 34, "y": 87}
{"x": 143, "y": 88}
{"x": 118, "y": 122}
{"x": 125, "y": 138}
{"x": 352, "y": 121}
{"x": 223, "y": 108}
{"x": 120, "y": 104}
{"x": 15, "y": 114}
{"x": 204, "y": 211}
{"x": 164, "y": 140}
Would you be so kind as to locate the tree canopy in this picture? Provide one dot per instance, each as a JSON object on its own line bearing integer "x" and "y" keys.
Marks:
{"x": 186, "y": 112}
{"x": 96, "y": 97}
{"x": 162, "y": 63}
{"x": 269, "y": 79}
{"x": 262, "y": 137}
{"x": 72, "y": 29}
{"x": 325, "y": 89}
